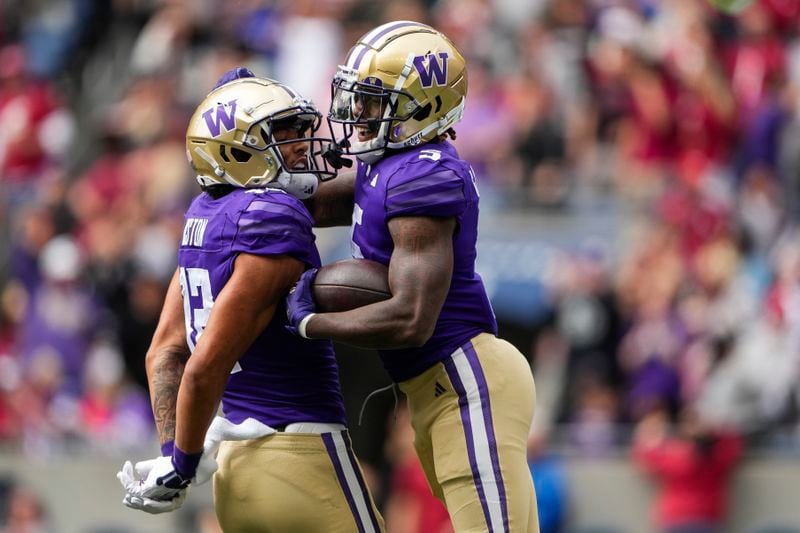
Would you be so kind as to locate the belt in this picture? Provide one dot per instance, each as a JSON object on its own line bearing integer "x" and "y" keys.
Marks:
{"x": 310, "y": 427}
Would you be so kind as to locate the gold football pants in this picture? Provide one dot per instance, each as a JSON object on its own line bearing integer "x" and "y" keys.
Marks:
{"x": 471, "y": 415}
{"x": 293, "y": 482}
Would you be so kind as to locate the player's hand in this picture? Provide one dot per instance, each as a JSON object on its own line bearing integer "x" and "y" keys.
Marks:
{"x": 300, "y": 303}
{"x": 151, "y": 506}
{"x": 150, "y": 486}
{"x": 234, "y": 74}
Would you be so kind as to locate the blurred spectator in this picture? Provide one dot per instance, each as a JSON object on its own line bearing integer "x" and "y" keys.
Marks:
{"x": 36, "y": 125}
{"x": 62, "y": 317}
{"x": 539, "y": 143}
{"x": 752, "y": 388}
{"x": 54, "y": 30}
{"x": 755, "y": 61}
{"x": 634, "y": 96}
{"x": 487, "y": 120}
{"x": 163, "y": 41}
{"x": 10, "y": 368}
{"x": 587, "y": 318}
{"x": 34, "y": 227}
{"x": 25, "y": 512}
{"x": 594, "y": 423}
{"x": 113, "y": 415}
{"x": 650, "y": 350}
{"x": 692, "y": 470}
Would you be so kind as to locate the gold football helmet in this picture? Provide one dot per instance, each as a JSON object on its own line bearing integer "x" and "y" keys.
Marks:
{"x": 403, "y": 84}
{"x": 238, "y": 136}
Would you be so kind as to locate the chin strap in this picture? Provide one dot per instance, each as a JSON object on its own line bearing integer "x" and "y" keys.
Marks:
{"x": 332, "y": 153}
{"x": 372, "y": 156}
{"x": 301, "y": 185}
{"x": 373, "y": 149}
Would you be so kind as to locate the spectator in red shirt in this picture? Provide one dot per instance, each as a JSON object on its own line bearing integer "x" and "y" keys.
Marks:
{"x": 36, "y": 127}
{"x": 692, "y": 469}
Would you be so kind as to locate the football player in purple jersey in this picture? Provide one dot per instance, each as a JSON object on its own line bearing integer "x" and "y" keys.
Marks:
{"x": 415, "y": 208}
{"x": 285, "y": 462}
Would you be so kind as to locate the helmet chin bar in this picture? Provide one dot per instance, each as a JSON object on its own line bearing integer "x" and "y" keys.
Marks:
{"x": 301, "y": 185}
{"x": 372, "y": 150}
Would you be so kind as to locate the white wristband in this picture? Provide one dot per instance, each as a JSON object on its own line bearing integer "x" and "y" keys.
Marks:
{"x": 301, "y": 327}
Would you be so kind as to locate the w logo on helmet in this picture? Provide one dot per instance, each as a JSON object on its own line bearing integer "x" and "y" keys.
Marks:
{"x": 435, "y": 69}
{"x": 224, "y": 116}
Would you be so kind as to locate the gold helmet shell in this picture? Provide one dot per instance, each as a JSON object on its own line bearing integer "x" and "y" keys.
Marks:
{"x": 230, "y": 139}
{"x": 412, "y": 78}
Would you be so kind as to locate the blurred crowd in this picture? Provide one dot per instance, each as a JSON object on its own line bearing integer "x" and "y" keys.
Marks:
{"x": 682, "y": 119}
{"x": 688, "y": 119}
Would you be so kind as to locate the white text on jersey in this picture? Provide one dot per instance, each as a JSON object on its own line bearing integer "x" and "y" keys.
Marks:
{"x": 433, "y": 155}
{"x": 193, "y": 232}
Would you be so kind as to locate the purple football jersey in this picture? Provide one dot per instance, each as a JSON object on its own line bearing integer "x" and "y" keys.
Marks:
{"x": 281, "y": 378}
{"x": 428, "y": 180}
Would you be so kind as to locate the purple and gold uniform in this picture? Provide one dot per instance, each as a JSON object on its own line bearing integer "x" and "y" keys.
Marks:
{"x": 471, "y": 395}
{"x": 291, "y": 481}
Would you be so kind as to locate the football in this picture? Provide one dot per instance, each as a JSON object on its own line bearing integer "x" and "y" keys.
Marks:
{"x": 351, "y": 283}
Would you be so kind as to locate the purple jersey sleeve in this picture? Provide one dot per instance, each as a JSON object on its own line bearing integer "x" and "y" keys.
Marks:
{"x": 425, "y": 190}
{"x": 275, "y": 224}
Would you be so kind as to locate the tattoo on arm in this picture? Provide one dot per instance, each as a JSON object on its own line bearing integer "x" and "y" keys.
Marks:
{"x": 422, "y": 246}
{"x": 165, "y": 382}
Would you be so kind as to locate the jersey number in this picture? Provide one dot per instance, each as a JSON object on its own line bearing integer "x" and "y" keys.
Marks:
{"x": 196, "y": 285}
{"x": 355, "y": 249}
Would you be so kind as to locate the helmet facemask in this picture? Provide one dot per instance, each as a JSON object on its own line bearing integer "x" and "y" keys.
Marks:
{"x": 367, "y": 113}
{"x": 300, "y": 174}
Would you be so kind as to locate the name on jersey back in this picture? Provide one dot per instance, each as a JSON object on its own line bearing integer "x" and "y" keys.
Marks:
{"x": 193, "y": 232}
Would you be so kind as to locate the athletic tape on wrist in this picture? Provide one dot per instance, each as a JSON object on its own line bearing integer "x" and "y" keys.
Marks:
{"x": 301, "y": 327}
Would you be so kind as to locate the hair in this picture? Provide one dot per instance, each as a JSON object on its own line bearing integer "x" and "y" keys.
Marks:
{"x": 450, "y": 133}
{"x": 217, "y": 191}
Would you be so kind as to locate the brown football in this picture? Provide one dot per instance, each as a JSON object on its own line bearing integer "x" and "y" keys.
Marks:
{"x": 350, "y": 283}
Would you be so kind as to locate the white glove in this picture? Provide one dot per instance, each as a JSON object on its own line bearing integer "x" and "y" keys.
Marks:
{"x": 149, "y": 505}
{"x": 140, "y": 481}
{"x": 139, "y": 495}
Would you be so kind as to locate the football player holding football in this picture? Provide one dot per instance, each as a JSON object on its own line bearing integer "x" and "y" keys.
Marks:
{"x": 415, "y": 208}
{"x": 285, "y": 460}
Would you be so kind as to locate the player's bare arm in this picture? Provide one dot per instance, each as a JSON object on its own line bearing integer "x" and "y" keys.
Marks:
{"x": 332, "y": 204}
{"x": 165, "y": 361}
{"x": 242, "y": 310}
{"x": 420, "y": 271}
